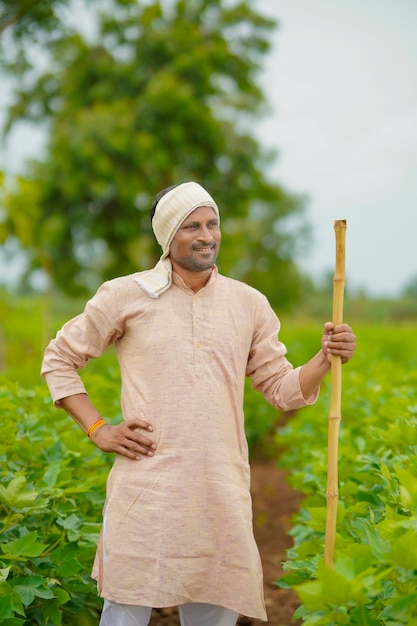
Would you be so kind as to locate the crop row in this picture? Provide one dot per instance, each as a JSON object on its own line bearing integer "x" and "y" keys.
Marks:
{"x": 374, "y": 580}
{"x": 52, "y": 485}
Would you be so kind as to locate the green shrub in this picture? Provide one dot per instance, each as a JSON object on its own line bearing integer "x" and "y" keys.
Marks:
{"x": 52, "y": 483}
{"x": 375, "y": 576}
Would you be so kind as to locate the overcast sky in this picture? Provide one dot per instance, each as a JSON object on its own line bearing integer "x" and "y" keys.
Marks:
{"x": 342, "y": 83}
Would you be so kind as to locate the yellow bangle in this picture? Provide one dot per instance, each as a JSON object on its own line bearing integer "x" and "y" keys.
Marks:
{"x": 94, "y": 427}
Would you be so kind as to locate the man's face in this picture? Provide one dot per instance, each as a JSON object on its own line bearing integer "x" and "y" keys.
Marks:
{"x": 196, "y": 244}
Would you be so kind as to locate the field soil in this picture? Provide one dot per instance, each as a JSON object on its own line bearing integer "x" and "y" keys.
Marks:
{"x": 274, "y": 503}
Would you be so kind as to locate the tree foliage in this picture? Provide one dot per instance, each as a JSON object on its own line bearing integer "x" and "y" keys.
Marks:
{"x": 411, "y": 287}
{"x": 163, "y": 92}
{"x": 24, "y": 18}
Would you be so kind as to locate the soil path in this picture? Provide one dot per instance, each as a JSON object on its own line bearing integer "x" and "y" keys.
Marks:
{"x": 274, "y": 503}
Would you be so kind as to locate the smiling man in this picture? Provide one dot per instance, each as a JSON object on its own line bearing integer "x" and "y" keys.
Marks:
{"x": 195, "y": 246}
{"x": 177, "y": 527}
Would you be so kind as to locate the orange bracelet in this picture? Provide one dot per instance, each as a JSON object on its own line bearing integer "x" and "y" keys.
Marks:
{"x": 94, "y": 427}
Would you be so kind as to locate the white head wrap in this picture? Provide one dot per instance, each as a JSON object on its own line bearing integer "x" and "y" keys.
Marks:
{"x": 171, "y": 211}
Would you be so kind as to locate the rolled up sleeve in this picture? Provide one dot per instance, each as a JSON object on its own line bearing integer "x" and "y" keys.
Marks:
{"x": 84, "y": 337}
{"x": 271, "y": 372}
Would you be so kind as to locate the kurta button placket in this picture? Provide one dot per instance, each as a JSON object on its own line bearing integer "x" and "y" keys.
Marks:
{"x": 198, "y": 333}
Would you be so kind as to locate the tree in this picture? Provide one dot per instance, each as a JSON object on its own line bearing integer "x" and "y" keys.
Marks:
{"x": 166, "y": 92}
{"x": 411, "y": 288}
{"x": 25, "y": 17}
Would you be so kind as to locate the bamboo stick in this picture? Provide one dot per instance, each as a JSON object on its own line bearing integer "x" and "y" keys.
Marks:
{"x": 335, "y": 413}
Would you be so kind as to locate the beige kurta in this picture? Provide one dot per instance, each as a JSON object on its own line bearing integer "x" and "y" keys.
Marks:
{"x": 178, "y": 525}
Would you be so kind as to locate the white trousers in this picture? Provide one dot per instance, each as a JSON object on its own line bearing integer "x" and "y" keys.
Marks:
{"x": 191, "y": 614}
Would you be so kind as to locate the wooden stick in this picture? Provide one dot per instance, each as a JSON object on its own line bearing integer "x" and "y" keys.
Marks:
{"x": 335, "y": 414}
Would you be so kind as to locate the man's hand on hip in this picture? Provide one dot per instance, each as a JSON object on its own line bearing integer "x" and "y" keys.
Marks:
{"x": 126, "y": 438}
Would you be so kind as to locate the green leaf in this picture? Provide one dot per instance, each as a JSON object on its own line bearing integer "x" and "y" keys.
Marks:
{"x": 72, "y": 525}
{"x": 331, "y": 589}
{"x": 402, "y": 609}
{"x": 26, "y": 594}
{"x": 51, "y": 612}
{"x": 362, "y": 616}
{"x": 4, "y": 573}
{"x": 6, "y": 608}
{"x": 370, "y": 535}
{"x": 408, "y": 488}
{"x": 61, "y": 595}
{"x": 312, "y": 596}
{"x": 341, "y": 589}
{"x": 30, "y": 587}
{"x": 26, "y": 546}
{"x": 404, "y": 550}
{"x": 52, "y": 472}
{"x": 65, "y": 560}
{"x": 16, "y": 493}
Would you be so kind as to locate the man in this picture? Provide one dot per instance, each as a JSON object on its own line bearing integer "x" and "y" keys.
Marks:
{"x": 177, "y": 527}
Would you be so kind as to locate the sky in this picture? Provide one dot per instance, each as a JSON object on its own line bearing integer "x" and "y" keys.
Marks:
{"x": 341, "y": 80}
{"x": 342, "y": 84}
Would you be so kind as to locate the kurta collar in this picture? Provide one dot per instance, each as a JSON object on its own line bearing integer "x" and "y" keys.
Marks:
{"x": 178, "y": 281}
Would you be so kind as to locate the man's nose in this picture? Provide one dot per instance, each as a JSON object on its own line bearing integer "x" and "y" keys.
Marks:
{"x": 205, "y": 234}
